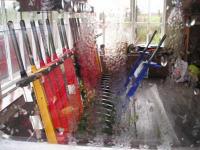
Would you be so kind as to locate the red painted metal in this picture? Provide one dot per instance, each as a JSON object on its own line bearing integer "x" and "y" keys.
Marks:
{"x": 52, "y": 90}
{"x": 68, "y": 110}
{"x": 70, "y": 73}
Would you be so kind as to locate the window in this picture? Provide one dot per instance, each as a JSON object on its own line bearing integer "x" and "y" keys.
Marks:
{"x": 149, "y": 16}
{"x": 113, "y": 21}
{"x": 129, "y": 20}
{"x": 9, "y": 69}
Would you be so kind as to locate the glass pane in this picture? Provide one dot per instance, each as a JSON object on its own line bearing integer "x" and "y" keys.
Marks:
{"x": 12, "y": 13}
{"x": 141, "y": 33}
{"x": 3, "y": 62}
{"x": 14, "y": 62}
{"x": 114, "y": 10}
{"x": 119, "y": 33}
{"x": 28, "y": 16}
{"x": 152, "y": 28}
{"x": 113, "y": 22}
{"x": 156, "y": 11}
{"x": 141, "y": 10}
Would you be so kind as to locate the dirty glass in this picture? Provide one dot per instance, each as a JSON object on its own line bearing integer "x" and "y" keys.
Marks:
{"x": 152, "y": 106}
{"x": 88, "y": 57}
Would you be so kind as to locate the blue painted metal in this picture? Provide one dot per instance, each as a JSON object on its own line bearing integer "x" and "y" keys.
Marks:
{"x": 139, "y": 60}
{"x": 142, "y": 73}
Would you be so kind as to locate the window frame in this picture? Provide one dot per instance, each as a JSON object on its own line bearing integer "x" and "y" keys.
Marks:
{"x": 162, "y": 24}
{"x": 9, "y": 83}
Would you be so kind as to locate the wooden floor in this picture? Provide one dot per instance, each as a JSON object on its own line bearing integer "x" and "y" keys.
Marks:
{"x": 158, "y": 106}
{"x": 149, "y": 123}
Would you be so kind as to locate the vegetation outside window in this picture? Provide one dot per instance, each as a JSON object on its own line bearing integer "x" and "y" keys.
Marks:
{"x": 149, "y": 17}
